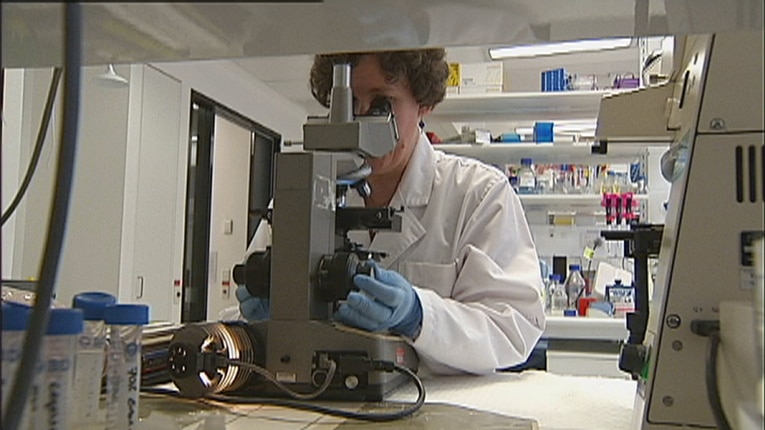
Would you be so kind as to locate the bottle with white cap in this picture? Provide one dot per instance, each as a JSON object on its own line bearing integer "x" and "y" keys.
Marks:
{"x": 58, "y": 355}
{"x": 123, "y": 364}
{"x": 15, "y": 321}
{"x": 89, "y": 366}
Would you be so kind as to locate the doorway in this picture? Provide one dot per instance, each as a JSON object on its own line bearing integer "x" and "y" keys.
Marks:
{"x": 230, "y": 183}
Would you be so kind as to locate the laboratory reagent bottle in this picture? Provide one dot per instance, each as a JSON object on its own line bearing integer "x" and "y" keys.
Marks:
{"x": 575, "y": 285}
{"x": 527, "y": 178}
{"x": 59, "y": 347}
{"x": 89, "y": 365}
{"x": 558, "y": 300}
{"x": 123, "y": 364}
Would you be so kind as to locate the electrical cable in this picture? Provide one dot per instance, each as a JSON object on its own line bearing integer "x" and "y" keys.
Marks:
{"x": 38, "y": 320}
{"x": 364, "y": 416}
{"x": 266, "y": 374}
{"x": 713, "y": 391}
{"x": 42, "y": 131}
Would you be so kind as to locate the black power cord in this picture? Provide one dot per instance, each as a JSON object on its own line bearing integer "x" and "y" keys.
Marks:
{"x": 711, "y": 329}
{"x": 38, "y": 320}
{"x": 42, "y": 131}
{"x": 378, "y": 365}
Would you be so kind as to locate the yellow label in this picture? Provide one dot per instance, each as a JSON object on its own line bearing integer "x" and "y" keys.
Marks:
{"x": 589, "y": 253}
{"x": 454, "y": 75}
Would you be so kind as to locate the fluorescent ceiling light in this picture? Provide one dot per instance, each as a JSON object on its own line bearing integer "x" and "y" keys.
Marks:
{"x": 558, "y": 48}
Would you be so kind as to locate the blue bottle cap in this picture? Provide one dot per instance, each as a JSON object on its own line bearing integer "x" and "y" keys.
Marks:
{"x": 126, "y": 314}
{"x": 555, "y": 277}
{"x": 525, "y": 161}
{"x": 15, "y": 316}
{"x": 93, "y": 303}
{"x": 574, "y": 267}
{"x": 64, "y": 321}
{"x": 569, "y": 312}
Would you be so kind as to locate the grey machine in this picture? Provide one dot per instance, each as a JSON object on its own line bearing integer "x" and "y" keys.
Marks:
{"x": 306, "y": 272}
{"x": 687, "y": 357}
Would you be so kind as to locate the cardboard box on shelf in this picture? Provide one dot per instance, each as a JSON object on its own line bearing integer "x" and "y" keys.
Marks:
{"x": 480, "y": 74}
{"x": 474, "y": 78}
{"x": 453, "y": 81}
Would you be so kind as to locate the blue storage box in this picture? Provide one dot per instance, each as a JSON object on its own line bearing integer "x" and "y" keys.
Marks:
{"x": 543, "y": 132}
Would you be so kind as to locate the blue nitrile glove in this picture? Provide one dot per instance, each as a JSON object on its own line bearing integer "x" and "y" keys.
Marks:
{"x": 251, "y": 308}
{"x": 386, "y": 301}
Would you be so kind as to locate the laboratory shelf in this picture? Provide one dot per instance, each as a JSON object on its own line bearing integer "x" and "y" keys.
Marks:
{"x": 520, "y": 106}
{"x": 614, "y": 329}
{"x": 560, "y": 199}
{"x": 567, "y": 199}
{"x": 568, "y": 153}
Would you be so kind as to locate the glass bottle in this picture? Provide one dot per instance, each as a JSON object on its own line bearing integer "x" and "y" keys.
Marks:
{"x": 558, "y": 299}
{"x": 527, "y": 178}
{"x": 574, "y": 285}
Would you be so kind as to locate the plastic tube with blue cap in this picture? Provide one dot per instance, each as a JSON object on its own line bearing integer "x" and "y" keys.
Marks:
{"x": 123, "y": 364}
{"x": 15, "y": 320}
{"x": 58, "y": 355}
{"x": 89, "y": 366}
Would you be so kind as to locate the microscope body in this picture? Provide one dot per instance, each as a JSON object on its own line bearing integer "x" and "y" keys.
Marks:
{"x": 306, "y": 273}
{"x": 300, "y": 335}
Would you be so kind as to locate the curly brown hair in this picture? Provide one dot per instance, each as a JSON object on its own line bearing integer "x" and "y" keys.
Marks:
{"x": 424, "y": 70}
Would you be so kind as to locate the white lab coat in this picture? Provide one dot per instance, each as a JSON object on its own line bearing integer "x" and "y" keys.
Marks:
{"x": 466, "y": 248}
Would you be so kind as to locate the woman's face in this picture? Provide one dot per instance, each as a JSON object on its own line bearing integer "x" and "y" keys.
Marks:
{"x": 368, "y": 83}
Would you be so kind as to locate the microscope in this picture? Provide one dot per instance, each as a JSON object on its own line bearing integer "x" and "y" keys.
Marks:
{"x": 306, "y": 274}
{"x": 697, "y": 357}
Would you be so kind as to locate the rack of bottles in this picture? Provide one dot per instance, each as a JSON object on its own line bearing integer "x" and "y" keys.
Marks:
{"x": 530, "y": 178}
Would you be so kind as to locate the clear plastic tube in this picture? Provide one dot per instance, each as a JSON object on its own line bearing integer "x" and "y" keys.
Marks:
{"x": 32, "y": 418}
{"x": 12, "y": 343}
{"x": 89, "y": 367}
{"x": 58, "y": 356}
{"x": 123, "y": 363}
{"x": 89, "y": 370}
{"x": 15, "y": 319}
{"x": 123, "y": 376}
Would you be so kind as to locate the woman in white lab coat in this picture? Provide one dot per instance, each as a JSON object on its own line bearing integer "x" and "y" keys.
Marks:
{"x": 461, "y": 280}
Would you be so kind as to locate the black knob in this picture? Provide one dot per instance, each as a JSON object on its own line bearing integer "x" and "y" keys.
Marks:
{"x": 632, "y": 359}
{"x": 255, "y": 273}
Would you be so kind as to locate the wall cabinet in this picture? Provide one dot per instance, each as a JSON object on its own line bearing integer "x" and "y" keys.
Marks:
{"x": 152, "y": 210}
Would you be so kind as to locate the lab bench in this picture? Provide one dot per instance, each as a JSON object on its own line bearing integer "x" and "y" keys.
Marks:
{"x": 527, "y": 400}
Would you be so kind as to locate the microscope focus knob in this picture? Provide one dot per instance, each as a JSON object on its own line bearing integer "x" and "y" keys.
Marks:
{"x": 255, "y": 273}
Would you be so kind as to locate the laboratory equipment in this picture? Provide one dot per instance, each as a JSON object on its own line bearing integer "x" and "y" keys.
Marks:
{"x": 299, "y": 351}
{"x": 89, "y": 365}
{"x": 59, "y": 348}
{"x": 123, "y": 364}
{"x": 714, "y": 116}
{"x": 641, "y": 242}
{"x": 15, "y": 320}
{"x": 558, "y": 299}
{"x": 574, "y": 286}
{"x": 527, "y": 178}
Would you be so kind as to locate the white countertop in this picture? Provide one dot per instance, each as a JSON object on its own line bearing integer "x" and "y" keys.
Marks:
{"x": 554, "y": 402}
